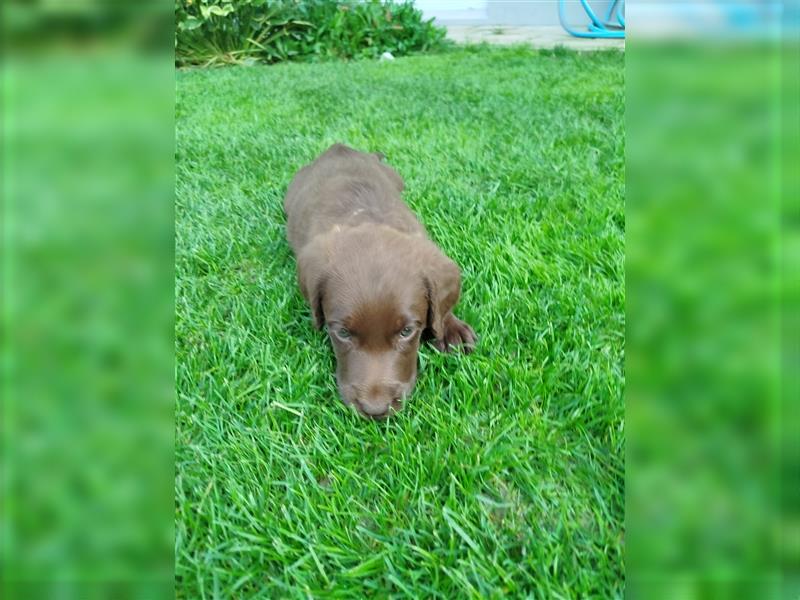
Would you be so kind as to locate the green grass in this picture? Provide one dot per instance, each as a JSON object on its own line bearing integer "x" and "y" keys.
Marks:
{"x": 503, "y": 477}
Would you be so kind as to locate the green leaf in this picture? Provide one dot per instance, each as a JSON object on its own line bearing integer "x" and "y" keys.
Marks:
{"x": 221, "y": 11}
{"x": 190, "y": 23}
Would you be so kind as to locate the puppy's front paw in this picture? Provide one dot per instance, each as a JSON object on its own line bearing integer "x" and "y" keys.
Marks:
{"x": 456, "y": 334}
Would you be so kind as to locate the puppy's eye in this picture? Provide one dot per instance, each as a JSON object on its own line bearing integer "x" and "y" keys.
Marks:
{"x": 406, "y": 332}
{"x": 343, "y": 333}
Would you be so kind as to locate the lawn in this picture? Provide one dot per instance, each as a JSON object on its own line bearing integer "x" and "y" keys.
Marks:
{"x": 504, "y": 475}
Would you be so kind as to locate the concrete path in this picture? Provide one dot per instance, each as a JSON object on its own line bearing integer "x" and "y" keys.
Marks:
{"x": 545, "y": 36}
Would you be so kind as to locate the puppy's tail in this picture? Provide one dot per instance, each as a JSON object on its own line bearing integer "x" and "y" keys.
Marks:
{"x": 397, "y": 181}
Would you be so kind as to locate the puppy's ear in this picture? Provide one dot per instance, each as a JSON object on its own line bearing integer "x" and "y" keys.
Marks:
{"x": 443, "y": 286}
{"x": 311, "y": 275}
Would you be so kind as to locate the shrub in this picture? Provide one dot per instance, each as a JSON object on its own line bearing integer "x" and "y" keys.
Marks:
{"x": 244, "y": 31}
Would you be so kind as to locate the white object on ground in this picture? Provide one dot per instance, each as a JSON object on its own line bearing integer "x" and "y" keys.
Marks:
{"x": 387, "y": 56}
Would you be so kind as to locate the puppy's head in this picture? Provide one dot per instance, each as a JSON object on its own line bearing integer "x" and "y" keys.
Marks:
{"x": 377, "y": 291}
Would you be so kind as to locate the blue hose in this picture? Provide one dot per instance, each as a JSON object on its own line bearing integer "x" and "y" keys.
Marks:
{"x": 597, "y": 28}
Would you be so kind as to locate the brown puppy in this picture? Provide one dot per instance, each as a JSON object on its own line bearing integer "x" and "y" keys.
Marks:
{"x": 369, "y": 272}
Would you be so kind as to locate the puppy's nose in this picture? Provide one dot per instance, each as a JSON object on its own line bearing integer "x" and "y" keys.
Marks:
{"x": 375, "y": 410}
{"x": 379, "y": 399}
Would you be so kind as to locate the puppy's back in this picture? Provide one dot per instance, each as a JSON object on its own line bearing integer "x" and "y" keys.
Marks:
{"x": 345, "y": 187}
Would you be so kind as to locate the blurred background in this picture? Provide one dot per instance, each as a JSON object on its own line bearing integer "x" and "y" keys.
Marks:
{"x": 713, "y": 471}
{"x": 87, "y": 400}
{"x": 712, "y": 339}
